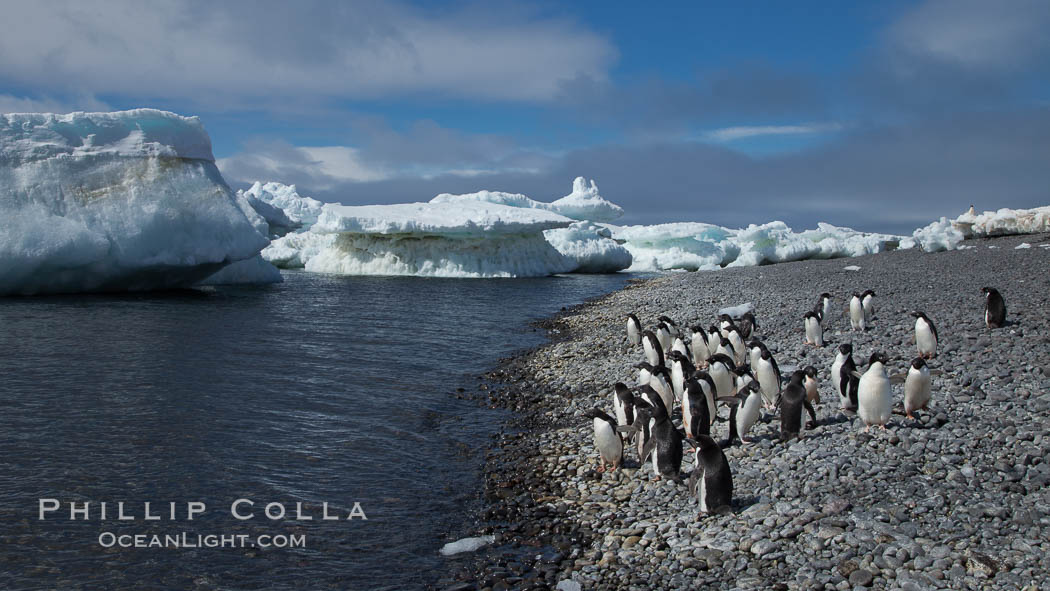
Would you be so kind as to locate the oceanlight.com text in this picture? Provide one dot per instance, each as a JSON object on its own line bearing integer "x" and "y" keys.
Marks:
{"x": 186, "y": 540}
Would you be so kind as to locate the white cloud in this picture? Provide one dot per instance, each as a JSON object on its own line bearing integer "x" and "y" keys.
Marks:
{"x": 239, "y": 53}
{"x": 728, "y": 134}
{"x": 974, "y": 33}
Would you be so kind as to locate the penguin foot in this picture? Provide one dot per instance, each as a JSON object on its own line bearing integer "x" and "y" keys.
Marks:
{"x": 601, "y": 468}
{"x": 810, "y": 425}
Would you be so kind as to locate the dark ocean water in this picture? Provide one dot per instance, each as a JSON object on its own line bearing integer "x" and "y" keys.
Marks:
{"x": 320, "y": 389}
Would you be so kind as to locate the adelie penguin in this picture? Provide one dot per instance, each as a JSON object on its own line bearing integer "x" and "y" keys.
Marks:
{"x": 725, "y": 347}
{"x": 722, "y": 369}
{"x": 767, "y": 374}
{"x": 711, "y": 481}
{"x": 843, "y": 376}
{"x": 663, "y": 336}
{"x": 868, "y": 303}
{"x": 671, "y": 326}
{"x": 814, "y": 332}
{"x": 925, "y": 335}
{"x": 792, "y": 401}
{"x": 916, "y": 387}
{"x": 607, "y": 440}
{"x": 654, "y": 353}
{"x": 874, "y": 397}
{"x": 701, "y": 348}
{"x": 681, "y": 370}
{"x": 811, "y": 384}
{"x": 739, "y": 349}
{"x": 994, "y": 308}
{"x": 745, "y": 409}
{"x": 623, "y": 402}
{"x": 724, "y": 322}
{"x": 696, "y": 416}
{"x": 747, "y": 325}
{"x": 634, "y": 330}
{"x": 664, "y": 447}
{"x": 824, "y": 307}
{"x": 856, "y": 313}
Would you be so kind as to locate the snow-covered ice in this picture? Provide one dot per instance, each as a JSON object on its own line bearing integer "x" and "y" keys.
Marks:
{"x": 697, "y": 246}
{"x": 738, "y": 311}
{"x": 937, "y": 236}
{"x": 302, "y": 211}
{"x": 1004, "y": 221}
{"x": 851, "y": 268}
{"x": 458, "y": 239}
{"x": 583, "y": 203}
{"x": 129, "y": 200}
{"x": 466, "y": 545}
{"x": 590, "y": 246}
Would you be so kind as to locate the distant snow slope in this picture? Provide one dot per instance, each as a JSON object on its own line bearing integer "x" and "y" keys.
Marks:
{"x": 129, "y": 200}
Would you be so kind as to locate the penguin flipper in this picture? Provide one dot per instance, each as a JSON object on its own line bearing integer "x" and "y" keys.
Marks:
{"x": 628, "y": 428}
{"x": 898, "y": 378}
{"x": 936, "y": 372}
{"x": 731, "y": 401}
{"x": 650, "y": 446}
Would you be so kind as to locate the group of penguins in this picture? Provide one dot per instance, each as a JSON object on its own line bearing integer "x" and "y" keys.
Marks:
{"x": 689, "y": 374}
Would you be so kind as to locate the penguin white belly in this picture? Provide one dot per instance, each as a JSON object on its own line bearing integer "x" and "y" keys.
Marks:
{"x": 747, "y": 416}
{"x": 826, "y": 311}
{"x": 701, "y": 486}
{"x": 679, "y": 345}
{"x": 739, "y": 351}
{"x": 835, "y": 367}
{"x": 665, "y": 339}
{"x": 710, "y": 396}
{"x": 767, "y": 382}
{"x": 869, "y": 309}
{"x": 677, "y": 380}
{"x": 723, "y": 380}
{"x": 608, "y": 442}
{"x": 700, "y": 350}
{"x": 633, "y": 335}
{"x": 650, "y": 354}
{"x": 713, "y": 341}
{"x": 925, "y": 341}
{"x": 856, "y": 315}
{"x": 916, "y": 390}
{"x": 664, "y": 390}
{"x": 621, "y": 411}
{"x": 874, "y": 399}
{"x": 811, "y": 390}
{"x": 813, "y": 333}
{"x": 686, "y": 414}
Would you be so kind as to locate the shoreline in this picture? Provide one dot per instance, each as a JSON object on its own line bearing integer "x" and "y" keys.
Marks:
{"x": 836, "y": 509}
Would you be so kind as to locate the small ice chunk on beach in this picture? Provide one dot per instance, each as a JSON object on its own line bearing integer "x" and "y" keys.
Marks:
{"x": 851, "y": 268}
{"x": 466, "y": 545}
{"x": 568, "y": 585}
{"x": 737, "y": 311}
{"x": 1022, "y": 246}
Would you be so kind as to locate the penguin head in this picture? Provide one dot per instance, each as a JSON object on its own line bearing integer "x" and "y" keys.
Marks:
{"x": 705, "y": 442}
{"x": 798, "y": 376}
{"x": 666, "y": 320}
{"x": 742, "y": 371}
{"x": 987, "y": 291}
{"x": 623, "y": 392}
{"x": 918, "y": 363}
{"x": 766, "y": 354}
{"x": 725, "y": 318}
{"x": 810, "y": 371}
{"x": 867, "y": 293}
{"x": 750, "y": 318}
{"x": 644, "y": 365}
{"x": 725, "y": 343}
{"x": 633, "y": 318}
{"x": 855, "y": 296}
{"x": 825, "y": 296}
{"x": 846, "y": 349}
{"x": 878, "y": 357}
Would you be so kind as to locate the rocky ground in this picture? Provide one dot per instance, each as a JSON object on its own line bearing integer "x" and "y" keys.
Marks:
{"x": 956, "y": 499}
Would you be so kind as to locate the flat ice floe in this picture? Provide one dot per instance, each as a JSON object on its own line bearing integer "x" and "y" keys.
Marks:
{"x": 696, "y": 246}
{"x": 129, "y": 200}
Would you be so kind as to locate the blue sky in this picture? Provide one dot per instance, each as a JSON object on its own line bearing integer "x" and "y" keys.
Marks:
{"x": 880, "y": 116}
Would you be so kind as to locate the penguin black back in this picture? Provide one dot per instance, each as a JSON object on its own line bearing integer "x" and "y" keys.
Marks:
{"x": 994, "y": 308}
{"x": 792, "y": 401}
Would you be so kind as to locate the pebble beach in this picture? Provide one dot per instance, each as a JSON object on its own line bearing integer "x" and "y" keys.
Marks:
{"x": 956, "y": 498}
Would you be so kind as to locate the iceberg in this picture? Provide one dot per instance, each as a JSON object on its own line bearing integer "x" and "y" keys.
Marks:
{"x": 467, "y": 545}
{"x": 694, "y": 246}
{"x": 129, "y": 200}
{"x": 1003, "y": 222}
{"x": 583, "y": 204}
{"x": 939, "y": 235}
{"x": 591, "y": 247}
{"x": 444, "y": 239}
{"x": 302, "y": 212}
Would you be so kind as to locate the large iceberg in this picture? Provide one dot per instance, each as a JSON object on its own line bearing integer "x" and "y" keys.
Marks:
{"x": 463, "y": 239}
{"x": 1003, "y": 222}
{"x": 694, "y": 246}
{"x": 129, "y": 200}
{"x": 937, "y": 236}
{"x": 301, "y": 212}
{"x": 584, "y": 203}
{"x": 482, "y": 234}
